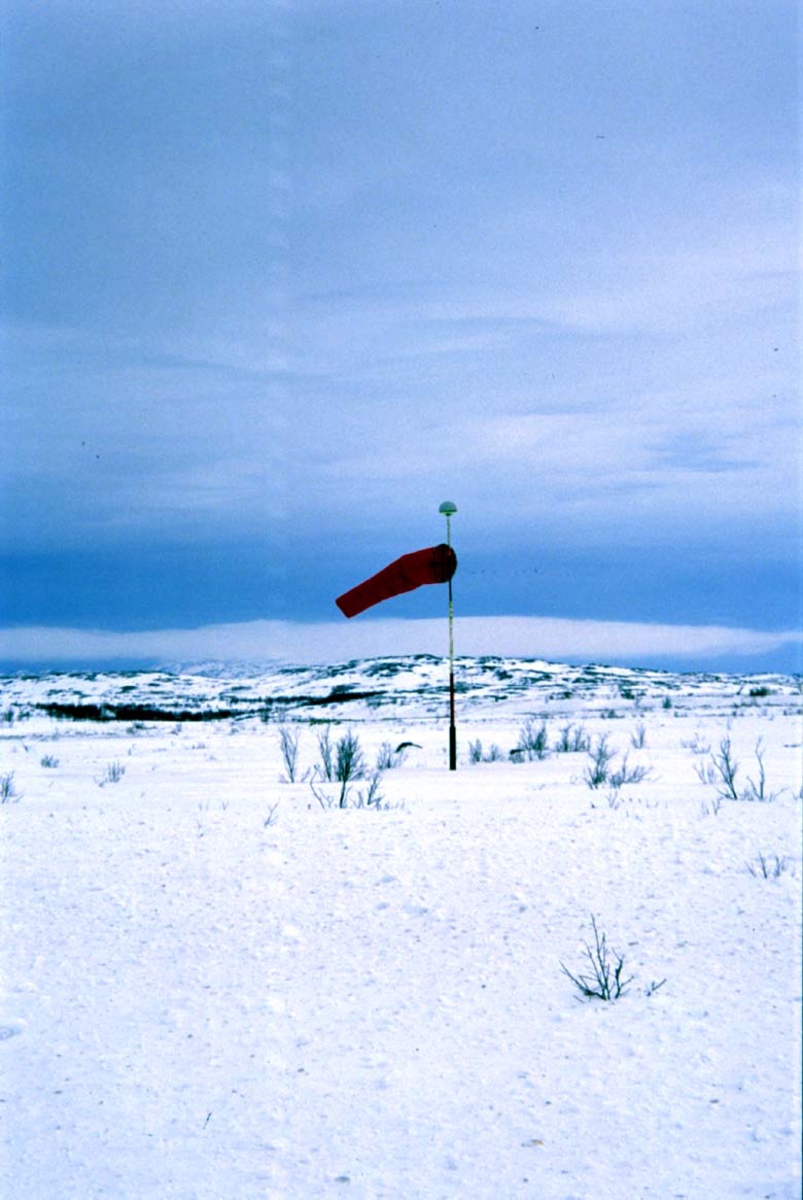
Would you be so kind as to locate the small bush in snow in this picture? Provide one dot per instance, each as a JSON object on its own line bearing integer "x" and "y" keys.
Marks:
{"x": 349, "y": 761}
{"x": 598, "y": 771}
{"x": 388, "y": 758}
{"x": 48, "y": 760}
{"x": 723, "y": 768}
{"x": 638, "y": 738}
{"x": 764, "y": 868}
{"x": 476, "y": 754}
{"x": 326, "y": 751}
{"x": 8, "y": 789}
{"x": 706, "y": 772}
{"x": 113, "y": 774}
{"x": 605, "y": 981}
{"x": 288, "y": 744}
{"x": 713, "y": 807}
{"x": 758, "y": 791}
{"x": 348, "y": 797}
{"x": 572, "y": 740}
{"x": 696, "y": 745}
{"x": 625, "y": 774}
{"x": 726, "y": 768}
{"x": 533, "y": 740}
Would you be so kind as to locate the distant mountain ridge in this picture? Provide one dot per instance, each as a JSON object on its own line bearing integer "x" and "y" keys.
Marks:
{"x": 351, "y": 690}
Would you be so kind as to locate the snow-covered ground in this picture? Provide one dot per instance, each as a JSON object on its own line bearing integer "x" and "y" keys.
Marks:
{"x": 218, "y": 985}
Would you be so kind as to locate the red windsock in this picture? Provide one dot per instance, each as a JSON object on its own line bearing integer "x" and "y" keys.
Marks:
{"x": 437, "y": 564}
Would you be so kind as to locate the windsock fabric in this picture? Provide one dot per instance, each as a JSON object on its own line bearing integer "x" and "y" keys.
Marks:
{"x": 437, "y": 564}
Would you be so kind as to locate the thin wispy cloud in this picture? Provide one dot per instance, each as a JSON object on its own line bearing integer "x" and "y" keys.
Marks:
{"x": 531, "y": 637}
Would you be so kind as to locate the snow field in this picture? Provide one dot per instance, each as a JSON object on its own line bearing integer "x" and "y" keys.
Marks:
{"x": 200, "y": 1004}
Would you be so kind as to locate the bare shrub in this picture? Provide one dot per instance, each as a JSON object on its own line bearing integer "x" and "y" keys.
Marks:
{"x": 706, "y": 772}
{"x": 605, "y": 981}
{"x": 712, "y": 808}
{"x": 388, "y": 758}
{"x": 349, "y": 761}
{"x": 113, "y": 774}
{"x": 348, "y": 796}
{"x": 727, "y": 769}
{"x": 572, "y": 740}
{"x": 696, "y": 745}
{"x": 601, "y": 754}
{"x": 768, "y": 867}
{"x": 8, "y": 789}
{"x": 758, "y": 791}
{"x": 625, "y": 774}
{"x": 723, "y": 769}
{"x": 326, "y": 751}
{"x": 288, "y": 744}
{"x": 272, "y": 817}
{"x": 638, "y": 738}
{"x": 533, "y": 740}
{"x": 476, "y": 754}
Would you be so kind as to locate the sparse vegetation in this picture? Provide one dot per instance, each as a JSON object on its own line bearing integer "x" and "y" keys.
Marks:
{"x": 113, "y": 774}
{"x": 349, "y": 760}
{"x": 638, "y": 738}
{"x": 712, "y": 807}
{"x": 288, "y": 744}
{"x": 348, "y": 796}
{"x": 344, "y": 763}
{"x": 697, "y": 745}
{"x": 768, "y": 866}
{"x": 605, "y": 982}
{"x": 326, "y": 751}
{"x": 706, "y": 772}
{"x": 596, "y": 774}
{"x": 533, "y": 741}
{"x": 388, "y": 758}
{"x": 476, "y": 754}
{"x": 572, "y": 740}
{"x": 48, "y": 760}
{"x": 625, "y": 774}
{"x": 723, "y": 768}
{"x": 8, "y": 789}
{"x": 758, "y": 791}
{"x": 726, "y": 769}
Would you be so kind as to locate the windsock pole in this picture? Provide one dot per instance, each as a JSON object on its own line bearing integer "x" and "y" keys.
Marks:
{"x": 448, "y": 508}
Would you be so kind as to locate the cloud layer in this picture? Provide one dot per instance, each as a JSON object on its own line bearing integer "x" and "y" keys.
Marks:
{"x": 284, "y": 276}
{"x": 529, "y": 637}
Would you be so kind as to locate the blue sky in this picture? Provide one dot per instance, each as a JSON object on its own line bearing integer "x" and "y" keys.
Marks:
{"x": 283, "y": 277}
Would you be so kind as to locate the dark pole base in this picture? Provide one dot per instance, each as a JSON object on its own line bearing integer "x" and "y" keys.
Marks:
{"x": 452, "y": 748}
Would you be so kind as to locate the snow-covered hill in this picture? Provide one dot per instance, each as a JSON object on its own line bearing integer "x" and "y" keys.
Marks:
{"x": 373, "y": 687}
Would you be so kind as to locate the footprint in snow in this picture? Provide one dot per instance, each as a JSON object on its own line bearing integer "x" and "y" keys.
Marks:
{"x": 11, "y": 1030}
